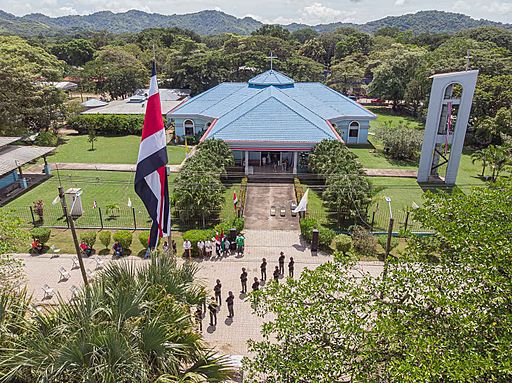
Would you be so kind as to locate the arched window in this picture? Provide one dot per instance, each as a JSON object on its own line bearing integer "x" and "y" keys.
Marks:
{"x": 189, "y": 127}
{"x": 353, "y": 131}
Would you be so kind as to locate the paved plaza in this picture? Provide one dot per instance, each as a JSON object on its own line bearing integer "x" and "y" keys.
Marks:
{"x": 229, "y": 336}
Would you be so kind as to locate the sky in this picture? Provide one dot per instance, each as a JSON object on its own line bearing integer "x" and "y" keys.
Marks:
{"x": 272, "y": 11}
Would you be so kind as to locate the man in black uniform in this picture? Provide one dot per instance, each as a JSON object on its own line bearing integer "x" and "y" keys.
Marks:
{"x": 229, "y": 301}
{"x": 217, "y": 289}
{"x": 281, "y": 263}
{"x": 212, "y": 307}
{"x": 276, "y": 274}
{"x": 256, "y": 284}
{"x": 291, "y": 266}
{"x": 243, "y": 279}
{"x": 263, "y": 268}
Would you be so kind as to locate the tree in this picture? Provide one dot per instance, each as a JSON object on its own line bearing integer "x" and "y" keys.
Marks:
{"x": 131, "y": 325}
{"x": 356, "y": 42}
{"x": 91, "y": 136}
{"x": 396, "y": 69}
{"x": 273, "y": 30}
{"x": 304, "y": 34}
{"x": 400, "y": 142}
{"x": 440, "y": 315}
{"x": 481, "y": 155}
{"x": 347, "y": 73}
{"x": 498, "y": 158}
{"x": 75, "y": 52}
{"x": 12, "y": 239}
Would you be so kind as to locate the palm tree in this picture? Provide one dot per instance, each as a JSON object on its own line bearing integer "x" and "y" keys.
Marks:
{"x": 498, "y": 158}
{"x": 133, "y": 324}
{"x": 483, "y": 156}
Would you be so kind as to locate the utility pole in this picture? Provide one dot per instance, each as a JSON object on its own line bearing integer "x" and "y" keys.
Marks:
{"x": 388, "y": 244}
{"x": 71, "y": 225}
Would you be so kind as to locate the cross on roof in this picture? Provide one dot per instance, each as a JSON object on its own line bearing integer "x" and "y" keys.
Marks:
{"x": 271, "y": 57}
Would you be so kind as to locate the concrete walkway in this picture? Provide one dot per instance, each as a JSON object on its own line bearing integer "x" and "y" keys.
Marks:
{"x": 401, "y": 173}
{"x": 89, "y": 166}
{"x": 230, "y": 335}
{"x": 260, "y": 198}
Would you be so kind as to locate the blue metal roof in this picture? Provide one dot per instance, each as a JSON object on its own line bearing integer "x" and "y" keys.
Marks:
{"x": 271, "y": 77}
{"x": 262, "y": 110}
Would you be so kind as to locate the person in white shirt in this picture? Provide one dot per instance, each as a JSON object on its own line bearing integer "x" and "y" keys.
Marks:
{"x": 187, "y": 246}
{"x": 200, "y": 248}
{"x": 208, "y": 247}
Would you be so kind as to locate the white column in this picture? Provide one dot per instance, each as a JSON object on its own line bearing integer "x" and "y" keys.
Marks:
{"x": 295, "y": 157}
{"x": 246, "y": 162}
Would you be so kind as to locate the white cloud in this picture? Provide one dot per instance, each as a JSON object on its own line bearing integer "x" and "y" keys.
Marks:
{"x": 399, "y": 2}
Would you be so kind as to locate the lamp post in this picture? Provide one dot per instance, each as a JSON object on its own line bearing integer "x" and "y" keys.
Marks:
{"x": 388, "y": 243}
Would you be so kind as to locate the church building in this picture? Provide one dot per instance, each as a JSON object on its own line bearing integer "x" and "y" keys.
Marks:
{"x": 271, "y": 119}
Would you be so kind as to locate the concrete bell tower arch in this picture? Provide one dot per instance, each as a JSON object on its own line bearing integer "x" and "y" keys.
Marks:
{"x": 447, "y": 121}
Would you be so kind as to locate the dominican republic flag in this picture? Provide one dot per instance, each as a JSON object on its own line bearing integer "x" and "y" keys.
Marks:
{"x": 151, "y": 174}
{"x": 235, "y": 199}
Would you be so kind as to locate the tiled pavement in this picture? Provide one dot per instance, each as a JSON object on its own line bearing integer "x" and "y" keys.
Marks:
{"x": 229, "y": 336}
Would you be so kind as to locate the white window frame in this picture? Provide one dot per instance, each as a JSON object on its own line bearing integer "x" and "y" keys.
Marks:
{"x": 185, "y": 127}
{"x": 350, "y": 127}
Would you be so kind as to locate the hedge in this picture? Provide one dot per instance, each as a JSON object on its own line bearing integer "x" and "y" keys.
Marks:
{"x": 89, "y": 237}
{"x": 42, "y": 234}
{"x": 108, "y": 123}
{"x": 105, "y": 237}
{"x": 325, "y": 235}
{"x": 124, "y": 237}
{"x": 343, "y": 243}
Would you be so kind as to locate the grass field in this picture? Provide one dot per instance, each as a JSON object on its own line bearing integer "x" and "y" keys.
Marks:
{"x": 386, "y": 115}
{"x": 108, "y": 150}
{"x": 228, "y": 211}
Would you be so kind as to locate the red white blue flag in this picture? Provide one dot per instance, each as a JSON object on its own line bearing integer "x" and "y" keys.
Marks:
{"x": 151, "y": 174}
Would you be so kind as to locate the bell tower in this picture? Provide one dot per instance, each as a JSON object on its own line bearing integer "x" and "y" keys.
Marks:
{"x": 447, "y": 121}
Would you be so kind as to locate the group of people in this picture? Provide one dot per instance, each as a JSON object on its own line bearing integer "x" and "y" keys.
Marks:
{"x": 86, "y": 249}
{"x": 276, "y": 164}
{"x": 223, "y": 247}
{"x": 216, "y": 301}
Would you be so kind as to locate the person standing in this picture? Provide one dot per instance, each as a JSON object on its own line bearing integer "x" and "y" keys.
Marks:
{"x": 276, "y": 274}
{"x": 230, "y": 300}
{"x": 223, "y": 246}
{"x": 263, "y": 268}
{"x": 243, "y": 280}
{"x": 291, "y": 266}
{"x": 217, "y": 244}
{"x": 212, "y": 307}
{"x": 240, "y": 244}
{"x": 227, "y": 245}
{"x": 256, "y": 284}
{"x": 281, "y": 263}
{"x": 173, "y": 245}
{"x": 200, "y": 248}
{"x": 187, "y": 246}
{"x": 165, "y": 247}
{"x": 208, "y": 248}
{"x": 217, "y": 289}
{"x": 199, "y": 317}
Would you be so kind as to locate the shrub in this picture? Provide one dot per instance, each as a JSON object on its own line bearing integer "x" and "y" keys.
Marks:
{"x": 239, "y": 224}
{"x": 42, "y": 234}
{"x": 38, "y": 207}
{"x": 89, "y": 237}
{"x": 343, "y": 243}
{"x": 383, "y": 239}
{"x": 401, "y": 142}
{"x": 124, "y": 237}
{"x": 144, "y": 238}
{"x": 47, "y": 139}
{"x": 195, "y": 236}
{"x": 306, "y": 227}
{"x": 364, "y": 242}
{"x": 105, "y": 237}
{"x": 325, "y": 236}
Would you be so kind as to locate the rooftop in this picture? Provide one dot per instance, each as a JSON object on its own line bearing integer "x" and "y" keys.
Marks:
{"x": 8, "y": 140}
{"x": 14, "y": 156}
{"x": 271, "y": 77}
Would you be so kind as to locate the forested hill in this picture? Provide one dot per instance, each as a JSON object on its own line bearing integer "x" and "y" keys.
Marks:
{"x": 211, "y": 22}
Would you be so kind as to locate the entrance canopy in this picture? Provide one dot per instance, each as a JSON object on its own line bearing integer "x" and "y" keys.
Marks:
{"x": 14, "y": 156}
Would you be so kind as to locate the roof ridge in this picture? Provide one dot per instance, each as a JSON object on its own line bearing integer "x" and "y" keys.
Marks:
{"x": 348, "y": 99}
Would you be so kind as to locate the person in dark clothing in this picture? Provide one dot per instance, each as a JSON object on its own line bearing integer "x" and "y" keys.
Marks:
{"x": 229, "y": 301}
{"x": 173, "y": 245}
{"x": 263, "y": 268}
{"x": 243, "y": 280}
{"x": 199, "y": 317}
{"x": 212, "y": 308}
{"x": 276, "y": 274}
{"x": 291, "y": 266}
{"x": 217, "y": 289}
{"x": 281, "y": 263}
{"x": 256, "y": 284}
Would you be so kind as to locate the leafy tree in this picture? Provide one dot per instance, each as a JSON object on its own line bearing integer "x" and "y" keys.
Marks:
{"x": 91, "y": 136}
{"x": 304, "y": 34}
{"x": 356, "y": 42}
{"x": 498, "y": 158}
{"x": 273, "y": 30}
{"x": 396, "y": 69}
{"x": 315, "y": 50}
{"x": 347, "y": 73}
{"x": 130, "y": 325}
{"x": 75, "y": 52}
{"x": 440, "y": 314}
{"x": 481, "y": 155}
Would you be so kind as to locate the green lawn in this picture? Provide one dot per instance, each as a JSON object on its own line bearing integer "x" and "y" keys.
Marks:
{"x": 386, "y": 115}
{"x": 228, "y": 210}
{"x": 103, "y": 187}
{"x": 108, "y": 150}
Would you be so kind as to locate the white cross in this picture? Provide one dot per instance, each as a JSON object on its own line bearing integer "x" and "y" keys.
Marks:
{"x": 271, "y": 57}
